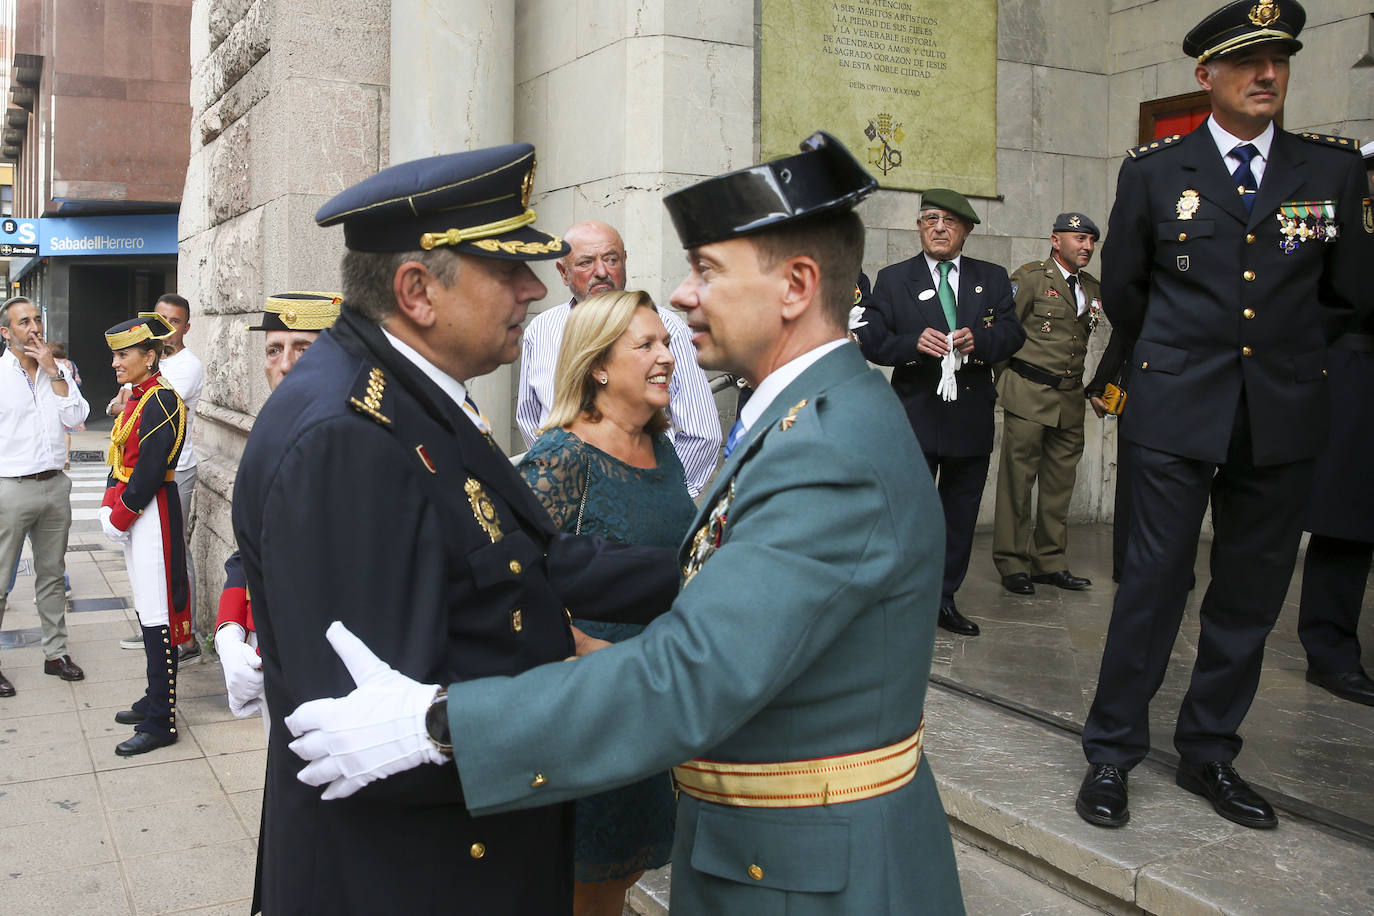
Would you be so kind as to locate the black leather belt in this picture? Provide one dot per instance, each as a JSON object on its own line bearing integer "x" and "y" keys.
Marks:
{"x": 1040, "y": 376}
{"x": 41, "y": 475}
{"x": 1360, "y": 343}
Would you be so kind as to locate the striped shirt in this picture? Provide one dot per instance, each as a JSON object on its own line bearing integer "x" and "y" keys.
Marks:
{"x": 695, "y": 430}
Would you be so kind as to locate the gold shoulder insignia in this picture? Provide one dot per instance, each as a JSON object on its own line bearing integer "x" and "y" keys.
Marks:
{"x": 1154, "y": 146}
{"x": 791, "y": 417}
{"x": 368, "y": 395}
{"x": 1344, "y": 143}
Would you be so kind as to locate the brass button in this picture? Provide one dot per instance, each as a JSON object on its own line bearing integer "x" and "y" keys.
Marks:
{"x": 1145, "y": 365}
{"x": 538, "y": 780}
{"x": 1183, "y": 236}
{"x": 1323, "y": 372}
{"x": 1249, "y": 275}
{"x": 515, "y": 567}
{"x": 477, "y": 850}
{"x": 1246, "y": 351}
{"x": 1250, "y": 239}
{"x": 756, "y": 873}
{"x": 517, "y": 620}
{"x": 1249, "y": 313}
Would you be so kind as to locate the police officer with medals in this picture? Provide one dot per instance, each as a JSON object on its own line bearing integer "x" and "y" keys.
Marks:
{"x": 804, "y": 629}
{"x": 1041, "y": 393}
{"x": 1233, "y": 256}
{"x": 371, "y": 491}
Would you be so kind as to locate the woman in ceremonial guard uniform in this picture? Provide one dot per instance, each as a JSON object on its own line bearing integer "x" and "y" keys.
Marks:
{"x": 142, "y": 512}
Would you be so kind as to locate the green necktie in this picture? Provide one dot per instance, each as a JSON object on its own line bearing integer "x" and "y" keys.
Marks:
{"x": 946, "y": 293}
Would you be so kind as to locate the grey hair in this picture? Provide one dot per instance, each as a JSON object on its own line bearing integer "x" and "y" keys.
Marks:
{"x": 5, "y": 309}
{"x": 368, "y": 277}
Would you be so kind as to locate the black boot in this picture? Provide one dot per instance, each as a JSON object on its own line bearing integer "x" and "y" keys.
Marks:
{"x": 158, "y": 727}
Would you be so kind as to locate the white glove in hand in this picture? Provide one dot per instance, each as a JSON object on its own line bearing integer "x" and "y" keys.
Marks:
{"x": 108, "y": 528}
{"x": 242, "y": 671}
{"x": 948, "y": 389}
{"x": 856, "y": 318}
{"x": 376, "y": 731}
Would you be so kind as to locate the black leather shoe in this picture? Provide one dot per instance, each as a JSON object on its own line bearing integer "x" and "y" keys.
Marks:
{"x": 1354, "y": 686}
{"x": 1018, "y": 584}
{"x": 6, "y": 688}
{"x": 129, "y": 717}
{"x": 1063, "y": 579}
{"x": 63, "y": 667}
{"x": 142, "y": 743}
{"x": 1231, "y": 796}
{"x": 952, "y": 620}
{"x": 1102, "y": 797}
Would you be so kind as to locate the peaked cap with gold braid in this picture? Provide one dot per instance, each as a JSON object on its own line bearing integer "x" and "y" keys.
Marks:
{"x": 299, "y": 311}
{"x": 147, "y": 326}
{"x": 1244, "y": 24}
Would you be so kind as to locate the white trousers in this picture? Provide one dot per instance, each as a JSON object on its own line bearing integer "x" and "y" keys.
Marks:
{"x": 147, "y": 567}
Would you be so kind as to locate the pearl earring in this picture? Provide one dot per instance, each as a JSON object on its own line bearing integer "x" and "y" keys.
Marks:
{"x": 604, "y": 379}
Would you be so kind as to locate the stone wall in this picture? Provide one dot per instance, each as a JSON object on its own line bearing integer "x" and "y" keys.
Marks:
{"x": 289, "y": 104}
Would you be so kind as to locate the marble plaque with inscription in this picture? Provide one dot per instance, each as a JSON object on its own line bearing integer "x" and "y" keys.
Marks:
{"x": 910, "y": 86}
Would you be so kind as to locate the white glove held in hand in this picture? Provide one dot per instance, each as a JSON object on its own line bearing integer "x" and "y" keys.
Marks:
{"x": 374, "y": 732}
{"x": 242, "y": 671}
{"x": 949, "y": 364}
{"x": 856, "y": 318}
{"x": 108, "y": 528}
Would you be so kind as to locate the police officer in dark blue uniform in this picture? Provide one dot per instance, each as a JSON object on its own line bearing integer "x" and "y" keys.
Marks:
{"x": 1233, "y": 255}
{"x": 372, "y": 491}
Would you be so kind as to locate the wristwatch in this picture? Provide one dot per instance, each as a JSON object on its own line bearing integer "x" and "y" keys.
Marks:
{"x": 61, "y": 376}
{"x": 436, "y": 724}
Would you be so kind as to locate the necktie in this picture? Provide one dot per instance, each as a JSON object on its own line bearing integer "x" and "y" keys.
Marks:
{"x": 1244, "y": 176}
{"x": 946, "y": 293}
{"x": 471, "y": 409}
{"x": 733, "y": 439}
{"x": 1073, "y": 291}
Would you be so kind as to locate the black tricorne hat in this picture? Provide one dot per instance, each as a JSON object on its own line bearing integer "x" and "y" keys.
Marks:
{"x": 147, "y": 326}
{"x": 476, "y": 202}
{"x": 823, "y": 178}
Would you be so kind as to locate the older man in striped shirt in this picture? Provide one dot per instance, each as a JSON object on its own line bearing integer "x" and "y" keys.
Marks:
{"x": 596, "y": 264}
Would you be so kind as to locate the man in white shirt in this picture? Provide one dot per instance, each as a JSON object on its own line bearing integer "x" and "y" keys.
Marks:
{"x": 184, "y": 371}
{"x": 596, "y": 264}
{"x": 36, "y": 401}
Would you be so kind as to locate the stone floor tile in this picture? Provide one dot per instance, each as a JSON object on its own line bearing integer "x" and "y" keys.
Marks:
{"x": 111, "y": 694}
{"x": 203, "y": 710}
{"x": 175, "y": 826}
{"x": 232, "y": 736}
{"x": 204, "y": 679}
{"x": 48, "y": 799}
{"x": 55, "y": 843}
{"x": 43, "y": 761}
{"x": 236, "y": 908}
{"x": 218, "y": 875}
{"x": 157, "y": 781}
{"x": 249, "y": 807}
{"x": 50, "y": 728}
{"x": 994, "y": 888}
{"x": 99, "y": 725}
{"x": 239, "y": 771}
{"x": 92, "y": 889}
{"x": 35, "y": 695}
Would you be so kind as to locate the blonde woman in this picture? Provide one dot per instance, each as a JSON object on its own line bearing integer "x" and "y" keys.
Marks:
{"x": 603, "y": 465}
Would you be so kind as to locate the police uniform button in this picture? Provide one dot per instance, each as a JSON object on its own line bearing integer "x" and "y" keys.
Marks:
{"x": 1250, "y": 239}
{"x": 756, "y": 873}
{"x": 1249, "y": 313}
{"x": 1249, "y": 275}
{"x": 1145, "y": 365}
{"x": 1247, "y": 351}
{"x": 1183, "y": 236}
{"x": 538, "y": 780}
{"x": 515, "y": 567}
{"x": 477, "y": 850}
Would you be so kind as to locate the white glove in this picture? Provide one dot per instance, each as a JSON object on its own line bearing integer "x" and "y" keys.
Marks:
{"x": 110, "y": 531}
{"x": 374, "y": 732}
{"x": 856, "y": 318}
{"x": 242, "y": 671}
{"x": 948, "y": 389}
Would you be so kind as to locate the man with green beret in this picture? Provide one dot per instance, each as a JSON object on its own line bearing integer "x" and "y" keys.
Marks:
{"x": 942, "y": 320}
{"x": 1041, "y": 391}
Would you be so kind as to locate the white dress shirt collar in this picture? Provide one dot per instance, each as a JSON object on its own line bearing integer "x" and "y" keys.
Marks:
{"x": 1227, "y": 141}
{"x": 780, "y": 378}
{"x": 1081, "y": 298}
{"x": 449, "y": 385}
{"x": 933, "y": 266}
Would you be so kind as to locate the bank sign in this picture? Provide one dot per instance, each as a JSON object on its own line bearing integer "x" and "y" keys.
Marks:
{"x": 88, "y": 235}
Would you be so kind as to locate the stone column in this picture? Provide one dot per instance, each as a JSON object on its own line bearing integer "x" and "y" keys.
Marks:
{"x": 453, "y": 89}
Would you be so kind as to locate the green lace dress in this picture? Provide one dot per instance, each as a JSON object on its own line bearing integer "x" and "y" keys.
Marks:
{"x": 629, "y": 829}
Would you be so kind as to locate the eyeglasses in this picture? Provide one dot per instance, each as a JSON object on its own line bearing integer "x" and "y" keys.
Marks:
{"x": 931, "y": 220}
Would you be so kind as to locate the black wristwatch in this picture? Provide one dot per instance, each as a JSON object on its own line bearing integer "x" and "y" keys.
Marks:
{"x": 436, "y": 724}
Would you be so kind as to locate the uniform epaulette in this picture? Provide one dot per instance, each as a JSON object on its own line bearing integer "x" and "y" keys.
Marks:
{"x": 368, "y": 396}
{"x": 1332, "y": 140}
{"x": 1030, "y": 265}
{"x": 1154, "y": 146}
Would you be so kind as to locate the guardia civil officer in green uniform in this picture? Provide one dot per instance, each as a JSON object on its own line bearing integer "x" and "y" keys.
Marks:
{"x": 803, "y": 631}
{"x": 1041, "y": 392}
{"x": 1233, "y": 256}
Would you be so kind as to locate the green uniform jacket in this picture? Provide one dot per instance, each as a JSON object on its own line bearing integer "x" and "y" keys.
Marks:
{"x": 1056, "y": 341}
{"x": 807, "y": 633}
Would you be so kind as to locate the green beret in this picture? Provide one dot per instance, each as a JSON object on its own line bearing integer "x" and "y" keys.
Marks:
{"x": 952, "y": 201}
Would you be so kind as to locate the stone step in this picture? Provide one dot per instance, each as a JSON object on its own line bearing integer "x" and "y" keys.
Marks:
{"x": 1008, "y": 784}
